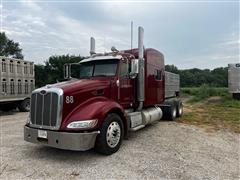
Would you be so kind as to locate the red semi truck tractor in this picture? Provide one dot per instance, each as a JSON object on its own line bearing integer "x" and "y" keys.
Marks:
{"x": 111, "y": 94}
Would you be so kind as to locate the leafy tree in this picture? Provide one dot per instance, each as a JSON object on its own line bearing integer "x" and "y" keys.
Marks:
{"x": 52, "y": 71}
{"x": 171, "y": 68}
{"x": 40, "y": 75}
{"x": 9, "y": 48}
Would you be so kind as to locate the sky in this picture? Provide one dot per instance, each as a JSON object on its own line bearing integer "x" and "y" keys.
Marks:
{"x": 190, "y": 34}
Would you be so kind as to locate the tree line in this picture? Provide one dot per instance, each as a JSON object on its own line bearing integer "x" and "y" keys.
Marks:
{"x": 195, "y": 77}
{"x": 52, "y": 70}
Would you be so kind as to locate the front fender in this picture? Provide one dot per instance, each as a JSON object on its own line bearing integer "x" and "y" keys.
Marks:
{"x": 94, "y": 108}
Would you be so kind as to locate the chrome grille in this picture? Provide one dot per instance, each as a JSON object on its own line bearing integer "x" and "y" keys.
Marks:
{"x": 46, "y": 108}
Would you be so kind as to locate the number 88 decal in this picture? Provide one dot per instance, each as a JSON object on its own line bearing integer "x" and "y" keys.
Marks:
{"x": 69, "y": 99}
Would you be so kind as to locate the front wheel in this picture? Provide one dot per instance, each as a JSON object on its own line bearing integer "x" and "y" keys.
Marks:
{"x": 111, "y": 134}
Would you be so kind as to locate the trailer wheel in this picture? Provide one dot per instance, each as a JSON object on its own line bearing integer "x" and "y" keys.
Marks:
{"x": 8, "y": 107}
{"x": 24, "y": 106}
{"x": 179, "y": 107}
{"x": 236, "y": 96}
{"x": 111, "y": 134}
{"x": 169, "y": 111}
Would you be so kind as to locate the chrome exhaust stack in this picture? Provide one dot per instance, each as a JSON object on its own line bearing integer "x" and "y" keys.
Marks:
{"x": 92, "y": 46}
{"x": 141, "y": 70}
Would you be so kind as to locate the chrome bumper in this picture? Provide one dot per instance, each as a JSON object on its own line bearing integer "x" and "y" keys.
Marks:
{"x": 62, "y": 140}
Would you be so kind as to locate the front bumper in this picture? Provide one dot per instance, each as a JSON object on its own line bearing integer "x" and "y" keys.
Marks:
{"x": 62, "y": 140}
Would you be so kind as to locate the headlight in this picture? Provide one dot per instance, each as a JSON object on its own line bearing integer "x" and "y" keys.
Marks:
{"x": 85, "y": 124}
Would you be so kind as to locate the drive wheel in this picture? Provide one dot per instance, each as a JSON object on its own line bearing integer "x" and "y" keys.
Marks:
{"x": 170, "y": 111}
{"x": 111, "y": 134}
{"x": 24, "y": 106}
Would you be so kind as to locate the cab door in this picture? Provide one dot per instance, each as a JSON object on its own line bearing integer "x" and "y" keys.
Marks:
{"x": 126, "y": 91}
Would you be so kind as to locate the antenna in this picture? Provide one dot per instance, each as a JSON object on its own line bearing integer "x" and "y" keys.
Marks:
{"x": 92, "y": 46}
{"x": 104, "y": 44}
{"x": 131, "y": 34}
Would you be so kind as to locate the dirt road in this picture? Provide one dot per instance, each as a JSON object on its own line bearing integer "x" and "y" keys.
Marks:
{"x": 165, "y": 150}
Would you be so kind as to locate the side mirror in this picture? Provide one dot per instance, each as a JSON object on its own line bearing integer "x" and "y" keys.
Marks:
{"x": 67, "y": 71}
{"x": 134, "y": 68}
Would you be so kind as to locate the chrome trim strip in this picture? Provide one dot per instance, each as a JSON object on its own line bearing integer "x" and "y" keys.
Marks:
{"x": 50, "y": 113}
{"x": 35, "y": 109}
{"x": 42, "y": 107}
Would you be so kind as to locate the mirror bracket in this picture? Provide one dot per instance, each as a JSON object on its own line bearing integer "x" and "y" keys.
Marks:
{"x": 67, "y": 71}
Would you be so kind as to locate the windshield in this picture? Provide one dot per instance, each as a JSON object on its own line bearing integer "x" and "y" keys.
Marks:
{"x": 98, "y": 68}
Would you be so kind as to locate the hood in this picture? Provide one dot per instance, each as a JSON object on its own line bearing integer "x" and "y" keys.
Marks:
{"x": 76, "y": 85}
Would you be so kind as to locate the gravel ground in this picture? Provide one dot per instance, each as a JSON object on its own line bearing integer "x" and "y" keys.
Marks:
{"x": 165, "y": 150}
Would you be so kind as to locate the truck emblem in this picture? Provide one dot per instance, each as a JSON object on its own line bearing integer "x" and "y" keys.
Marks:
{"x": 43, "y": 92}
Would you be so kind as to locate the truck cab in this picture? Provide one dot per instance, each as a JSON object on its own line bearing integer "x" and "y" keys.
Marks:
{"x": 104, "y": 97}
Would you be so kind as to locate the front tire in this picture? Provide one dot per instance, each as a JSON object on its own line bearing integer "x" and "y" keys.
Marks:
{"x": 111, "y": 134}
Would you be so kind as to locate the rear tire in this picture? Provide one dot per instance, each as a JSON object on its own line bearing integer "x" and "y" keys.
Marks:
{"x": 24, "y": 106}
{"x": 169, "y": 111}
{"x": 179, "y": 107}
{"x": 111, "y": 134}
{"x": 8, "y": 107}
{"x": 236, "y": 96}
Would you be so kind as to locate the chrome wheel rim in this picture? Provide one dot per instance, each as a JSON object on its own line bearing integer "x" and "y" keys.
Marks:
{"x": 180, "y": 110}
{"x": 174, "y": 112}
{"x": 113, "y": 134}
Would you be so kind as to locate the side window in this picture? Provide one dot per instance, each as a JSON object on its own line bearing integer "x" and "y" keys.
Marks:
{"x": 26, "y": 86}
{"x": 4, "y": 86}
{"x": 158, "y": 74}
{"x": 19, "y": 86}
{"x": 11, "y": 66}
{"x": 4, "y": 69}
{"x": 25, "y": 68}
{"x": 12, "y": 86}
{"x": 31, "y": 68}
{"x": 19, "y": 70}
{"x": 123, "y": 69}
{"x": 32, "y": 85}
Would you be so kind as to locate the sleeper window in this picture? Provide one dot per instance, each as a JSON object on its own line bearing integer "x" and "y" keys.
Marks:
{"x": 158, "y": 74}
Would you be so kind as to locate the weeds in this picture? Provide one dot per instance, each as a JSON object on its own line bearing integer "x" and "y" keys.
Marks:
{"x": 203, "y": 92}
{"x": 221, "y": 114}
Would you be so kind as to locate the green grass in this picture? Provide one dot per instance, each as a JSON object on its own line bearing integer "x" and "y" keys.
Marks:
{"x": 224, "y": 113}
{"x": 204, "y": 91}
